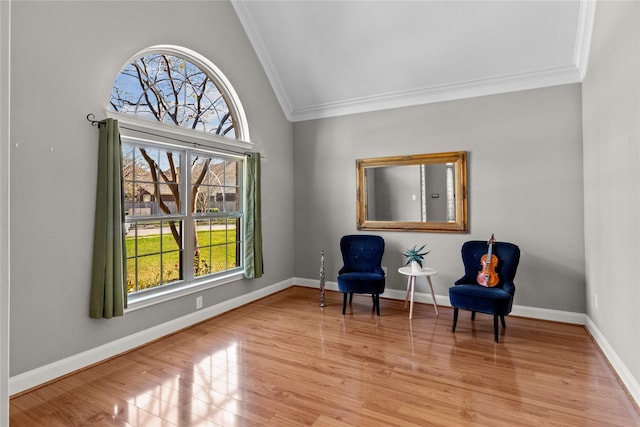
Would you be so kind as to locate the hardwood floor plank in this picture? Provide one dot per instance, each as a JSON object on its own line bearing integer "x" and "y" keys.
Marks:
{"x": 283, "y": 361}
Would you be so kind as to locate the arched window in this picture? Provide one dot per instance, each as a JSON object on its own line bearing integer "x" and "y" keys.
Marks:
{"x": 183, "y": 194}
{"x": 177, "y": 86}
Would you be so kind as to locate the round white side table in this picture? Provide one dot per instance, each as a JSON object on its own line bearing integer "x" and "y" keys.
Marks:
{"x": 411, "y": 284}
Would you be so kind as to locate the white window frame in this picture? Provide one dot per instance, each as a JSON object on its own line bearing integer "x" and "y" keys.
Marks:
{"x": 155, "y": 133}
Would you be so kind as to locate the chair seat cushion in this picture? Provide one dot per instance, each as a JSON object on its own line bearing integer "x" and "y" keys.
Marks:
{"x": 361, "y": 282}
{"x": 481, "y": 299}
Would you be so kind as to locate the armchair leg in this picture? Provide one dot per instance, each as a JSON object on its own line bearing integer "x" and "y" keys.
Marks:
{"x": 344, "y": 303}
{"x": 455, "y": 319}
{"x": 504, "y": 324}
{"x": 495, "y": 328}
{"x": 376, "y": 299}
{"x": 350, "y": 297}
{"x": 473, "y": 315}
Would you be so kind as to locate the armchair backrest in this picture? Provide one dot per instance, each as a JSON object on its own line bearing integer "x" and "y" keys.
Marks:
{"x": 361, "y": 253}
{"x": 508, "y": 256}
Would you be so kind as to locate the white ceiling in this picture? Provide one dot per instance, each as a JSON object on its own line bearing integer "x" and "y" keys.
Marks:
{"x": 329, "y": 58}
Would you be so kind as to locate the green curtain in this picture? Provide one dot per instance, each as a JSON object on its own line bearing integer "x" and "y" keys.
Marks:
{"x": 253, "y": 263}
{"x": 108, "y": 284}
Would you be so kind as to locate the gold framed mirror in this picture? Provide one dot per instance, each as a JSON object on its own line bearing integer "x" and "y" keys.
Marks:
{"x": 421, "y": 192}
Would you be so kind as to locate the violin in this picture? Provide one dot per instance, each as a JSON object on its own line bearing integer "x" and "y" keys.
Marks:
{"x": 487, "y": 276}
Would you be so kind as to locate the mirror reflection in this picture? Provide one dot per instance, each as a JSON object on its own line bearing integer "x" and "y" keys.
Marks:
{"x": 425, "y": 192}
{"x": 411, "y": 193}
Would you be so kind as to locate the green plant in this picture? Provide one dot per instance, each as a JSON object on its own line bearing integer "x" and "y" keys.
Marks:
{"x": 415, "y": 254}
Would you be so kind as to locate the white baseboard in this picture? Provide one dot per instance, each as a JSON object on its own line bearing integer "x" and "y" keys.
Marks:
{"x": 547, "y": 314}
{"x": 618, "y": 365}
{"x": 443, "y": 300}
{"x": 51, "y": 371}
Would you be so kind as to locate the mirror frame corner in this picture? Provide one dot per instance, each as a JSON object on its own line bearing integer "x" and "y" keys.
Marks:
{"x": 458, "y": 158}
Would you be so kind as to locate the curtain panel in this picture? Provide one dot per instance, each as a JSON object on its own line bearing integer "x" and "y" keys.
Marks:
{"x": 253, "y": 262}
{"x": 108, "y": 281}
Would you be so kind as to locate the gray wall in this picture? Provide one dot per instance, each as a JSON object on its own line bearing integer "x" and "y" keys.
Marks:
{"x": 5, "y": 33}
{"x": 65, "y": 56}
{"x": 611, "y": 116}
{"x": 525, "y": 185}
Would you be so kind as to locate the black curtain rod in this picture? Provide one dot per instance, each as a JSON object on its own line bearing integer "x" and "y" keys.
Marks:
{"x": 92, "y": 119}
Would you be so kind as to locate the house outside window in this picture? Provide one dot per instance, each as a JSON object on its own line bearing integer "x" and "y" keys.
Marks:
{"x": 182, "y": 130}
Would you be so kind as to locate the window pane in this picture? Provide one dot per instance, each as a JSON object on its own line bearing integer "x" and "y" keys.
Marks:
{"x": 128, "y": 199}
{"x": 216, "y": 197}
{"x": 217, "y": 238}
{"x": 171, "y": 267}
{"x": 199, "y": 169}
{"x": 203, "y": 200}
{"x": 154, "y": 251}
{"x": 231, "y": 173}
{"x": 214, "y": 181}
{"x": 189, "y": 95}
{"x": 233, "y": 255}
{"x": 144, "y": 164}
{"x": 202, "y": 262}
{"x": 148, "y": 238}
{"x": 202, "y": 253}
{"x": 219, "y": 258}
{"x": 233, "y": 230}
{"x": 132, "y": 280}
{"x": 231, "y": 202}
{"x": 148, "y": 271}
{"x": 224, "y": 257}
{"x": 169, "y": 199}
{"x": 152, "y": 181}
{"x": 171, "y": 236}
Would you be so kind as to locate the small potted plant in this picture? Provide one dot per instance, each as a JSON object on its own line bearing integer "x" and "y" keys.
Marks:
{"x": 415, "y": 257}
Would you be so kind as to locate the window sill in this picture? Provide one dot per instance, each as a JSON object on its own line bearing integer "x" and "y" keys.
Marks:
{"x": 142, "y": 301}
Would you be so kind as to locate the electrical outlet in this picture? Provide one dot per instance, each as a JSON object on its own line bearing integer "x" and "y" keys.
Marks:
{"x": 198, "y": 303}
{"x": 385, "y": 270}
{"x": 595, "y": 300}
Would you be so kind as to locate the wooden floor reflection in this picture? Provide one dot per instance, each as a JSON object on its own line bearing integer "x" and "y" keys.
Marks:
{"x": 283, "y": 361}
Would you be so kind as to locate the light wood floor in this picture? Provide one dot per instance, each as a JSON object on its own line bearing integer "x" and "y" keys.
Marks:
{"x": 283, "y": 361}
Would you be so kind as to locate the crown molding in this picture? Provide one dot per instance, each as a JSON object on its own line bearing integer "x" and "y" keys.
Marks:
{"x": 586, "y": 16}
{"x": 569, "y": 74}
{"x": 448, "y": 92}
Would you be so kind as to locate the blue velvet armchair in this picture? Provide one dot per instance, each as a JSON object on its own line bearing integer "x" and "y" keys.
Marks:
{"x": 467, "y": 294}
{"x": 362, "y": 272}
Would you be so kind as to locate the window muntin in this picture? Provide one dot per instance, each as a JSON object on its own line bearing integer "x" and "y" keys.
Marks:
{"x": 172, "y": 90}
